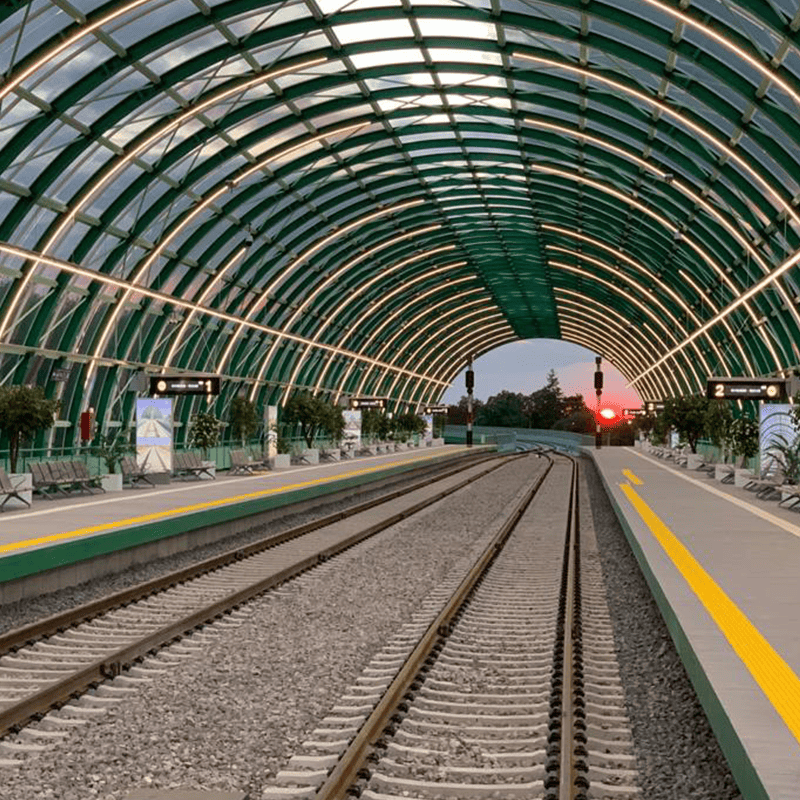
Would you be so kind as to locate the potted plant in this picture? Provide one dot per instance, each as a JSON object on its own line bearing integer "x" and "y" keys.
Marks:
{"x": 111, "y": 448}
{"x": 244, "y": 419}
{"x": 204, "y": 433}
{"x": 743, "y": 439}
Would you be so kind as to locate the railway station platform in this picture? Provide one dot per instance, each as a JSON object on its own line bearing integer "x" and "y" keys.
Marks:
{"x": 65, "y": 541}
{"x": 725, "y": 571}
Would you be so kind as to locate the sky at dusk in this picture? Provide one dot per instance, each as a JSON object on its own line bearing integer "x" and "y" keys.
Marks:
{"x": 523, "y": 367}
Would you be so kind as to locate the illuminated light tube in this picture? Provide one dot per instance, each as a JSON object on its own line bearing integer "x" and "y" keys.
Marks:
{"x": 377, "y": 331}
{"x": 665, "y": 108}
{"x": 440, "y": 335}
{"x": 210, "y": 288}
{"x": 145, "y": 266}
{"x": 588, "y": 275}
{"x": 628, "y": 260}
{"x": 456, "y": 360}
{"x": 567, "y": 295}
{"x": 427, "y": 311}
{"x": 333, "y": 315}
{"x": 485, "y": 304}
{"x": 353, "y": 262}
{"x": 572, "y": 325}
{"x": 390, "y": 318}
{"x": 414, "y": 390}
{"x": 459, "y": 319}
{"x": 399, "y": 311}
{"x": 567, "y": 310}
{"x": 425, "y": 276}
{"x": 119, "y": 283}
{"x": 751, "y": 292}
{"x": 631, "y": 282}
{"x": 117, "y": 165}
{"x": 626, "y": 338}
{"x": 696, "y": 198}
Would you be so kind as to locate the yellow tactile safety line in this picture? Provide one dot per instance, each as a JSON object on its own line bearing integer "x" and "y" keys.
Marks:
{"x": 775, "y": 677}
{"x": 57, "y": 537}
{"x": 631, "y": 477}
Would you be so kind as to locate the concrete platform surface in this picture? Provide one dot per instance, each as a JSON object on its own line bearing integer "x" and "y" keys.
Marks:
{"x": 725, "y": 570}
{"x": 81, "y": 516}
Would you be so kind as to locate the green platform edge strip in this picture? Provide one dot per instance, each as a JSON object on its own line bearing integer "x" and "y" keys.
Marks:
{"x": 741, "y": 766}
{"x": 65, "y": 554}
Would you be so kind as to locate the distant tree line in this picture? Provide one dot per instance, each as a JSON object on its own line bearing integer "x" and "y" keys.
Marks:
{"x": 545, "y": 408}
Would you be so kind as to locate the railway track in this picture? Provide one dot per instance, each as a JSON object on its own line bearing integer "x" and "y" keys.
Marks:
{"x": 503, "y": 685}
{"x": 49, "y": 663}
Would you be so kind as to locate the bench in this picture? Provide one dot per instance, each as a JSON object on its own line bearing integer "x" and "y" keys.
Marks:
{"x": 133, "y": 472}
{"x": 9, "y": 491}
{"x": 189, "y": 464}
{"x": 244, "y": 464}
{"x": 63, "y": 477}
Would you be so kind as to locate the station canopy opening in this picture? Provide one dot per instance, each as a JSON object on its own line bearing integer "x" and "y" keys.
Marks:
{"x": 352, "y": 197}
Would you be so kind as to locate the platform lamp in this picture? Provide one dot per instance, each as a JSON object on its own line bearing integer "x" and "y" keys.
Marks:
{"x": 598, "y": 388}
{"x": 470, "y": 387}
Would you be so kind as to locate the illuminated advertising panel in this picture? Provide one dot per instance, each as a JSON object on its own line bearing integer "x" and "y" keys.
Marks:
{"x": 154, "y": 432}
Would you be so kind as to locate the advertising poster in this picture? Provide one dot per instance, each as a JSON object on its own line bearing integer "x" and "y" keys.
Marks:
{"x": 775, "y": 428}
{"x": 351, "y": 438}
{"x": 428, "y": 427}
{"x": 271, "y": 426}
{"x": 154, "y": 434}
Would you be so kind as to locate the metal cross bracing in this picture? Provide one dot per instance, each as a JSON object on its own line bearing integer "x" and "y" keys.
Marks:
{"x": 354, "y": 196}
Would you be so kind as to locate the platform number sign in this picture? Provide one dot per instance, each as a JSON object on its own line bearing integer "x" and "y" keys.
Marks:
{"x": 173, "y": 384}
{"x": 772, "y": 389}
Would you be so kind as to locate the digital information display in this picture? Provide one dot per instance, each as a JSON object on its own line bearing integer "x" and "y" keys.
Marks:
{"x": 367, "y": 402}
{"x": 435, "y": 409}
{"x": 746, "y": 388}
{"x": 184, "y": 384}
{"x": 653, "y": 406}
{"x": 634, "y": 412}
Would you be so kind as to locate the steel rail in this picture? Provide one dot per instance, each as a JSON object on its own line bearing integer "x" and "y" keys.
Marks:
{"x": 345, "y": 773}
{"x": 22, "y": 636}
{"x": 57, "y": 693}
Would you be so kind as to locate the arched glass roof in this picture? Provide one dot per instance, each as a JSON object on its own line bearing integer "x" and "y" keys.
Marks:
{"x": 352, "y": 197}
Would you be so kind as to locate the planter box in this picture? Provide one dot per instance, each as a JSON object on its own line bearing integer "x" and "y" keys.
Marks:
{"x": 347, "y": 452}
{"x": 399, "y": 446}
{"x": 23, "y": 481}
{"x": 693, "y": 461}
{"x": 280, "y": 461}
{"x": 334, "y": 454}
{"x": 310, "y": 455}
{"x": 112, "y": 482}
{"x": 742, "y": 477}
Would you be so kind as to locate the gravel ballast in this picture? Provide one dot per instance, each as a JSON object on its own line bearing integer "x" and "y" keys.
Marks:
{"x": 230, "y": 717}
{"x": 678, "y": 757}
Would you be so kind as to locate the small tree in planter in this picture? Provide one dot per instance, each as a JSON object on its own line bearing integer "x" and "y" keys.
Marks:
{"x": 719, "y": 419}
{"x": 204, "y": 431}
{"x": 688, "y": 416}
{"x": 310, "y": 412}
{"x": 743, "y": 438}
{"x": 111, "y": 448}
{"x": 244, "y": 419}
{"x": 23, "y": 412}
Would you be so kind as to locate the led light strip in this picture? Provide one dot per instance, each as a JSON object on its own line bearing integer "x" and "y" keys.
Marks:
{"x": 202, "y": 206}
{"x": 397, "y": 312}
{"x": 456, "y": 362}
{"x": 414, "y": 393}
{"x": 606, "y": 311}
{"x": 352, "y": 263}
{"x": 118, "y": 283}
{"x": 671, "y": 112}
{"x": 618, "y": 254}
{"x": 647, "y": 312}
{"x": 441, "y": 334}
{"x": 237, "y": 256}
{"x": 376, "y": 309}
{"x": 108, "y": 173}
{"x": 753, "y": 290}
{"x": 575, "y": 325}
{"x": 631, "y": 282}
{"x": 628, "y": 343}
{"x": 686, "y": 190}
